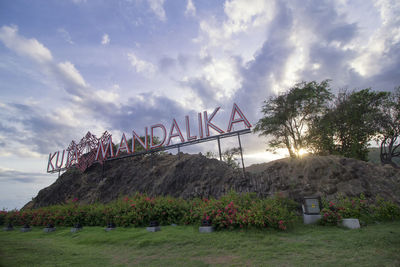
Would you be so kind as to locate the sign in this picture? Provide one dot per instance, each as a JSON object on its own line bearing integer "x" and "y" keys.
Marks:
{"x": 91, "y": 149}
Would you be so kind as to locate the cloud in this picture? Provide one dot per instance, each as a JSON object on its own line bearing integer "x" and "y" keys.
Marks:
{"x": 141, "y": 66}
{"x": 23, "y": 46}
{"x": 68, "y": 70}
{"x": 157, "y": 7}
{"x": 9, "y": 175}
{"x": 65, "y": 73}
{"x": 190, "y": 8}
{"x": 65, "y": 35}
{"x": 105, "y": 40}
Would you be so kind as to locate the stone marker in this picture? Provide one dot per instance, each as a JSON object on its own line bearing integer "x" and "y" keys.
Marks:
{"x": 351, "y": 223}
{"x": 206, "y": 229}
{"x": 49, "y": 229}
{"x": 9, "y": 227}
{"x": 153, "y": 227}
{"x": 206, "y": 226}
{"x": 26, "y": 228}
{"x": 77, "y": 227}
{"x": 110, "y": 227}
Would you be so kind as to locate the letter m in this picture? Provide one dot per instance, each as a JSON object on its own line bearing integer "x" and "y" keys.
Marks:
{"x": 105, "y": 149}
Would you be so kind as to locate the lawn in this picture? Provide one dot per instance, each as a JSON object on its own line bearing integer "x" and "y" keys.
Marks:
{"x": 373, "y": 245}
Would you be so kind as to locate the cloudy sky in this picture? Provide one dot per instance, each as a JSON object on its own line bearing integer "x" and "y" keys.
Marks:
{"x": 72, "y": 66}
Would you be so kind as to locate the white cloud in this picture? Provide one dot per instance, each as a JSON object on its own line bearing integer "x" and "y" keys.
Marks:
{"x": 190, "y": 9}
{"x": 23, "y": 46}
{"x": 105, "y": 40}
{"x": 378, "y": 39}
{"x": 141, "y": 66}
{"x": 157, "y": 7}
{"x": 69, "y": 71}
{"x": 243, "y": 14}
{"x": 65, "y": 34}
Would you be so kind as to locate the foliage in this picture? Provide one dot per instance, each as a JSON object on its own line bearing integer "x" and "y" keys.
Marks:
{"x": 229, "y": 156}
{"x": 359, "y": 208}
{"x": 330, "y": 214}
{"x": 389, "y": 136}
{"x": 243, "y": 211}
{"x": 288, "y": 115}
{"x": 386, "y": 210}
{"x": 231, "y": 211}
{"x": 348, "y": 127}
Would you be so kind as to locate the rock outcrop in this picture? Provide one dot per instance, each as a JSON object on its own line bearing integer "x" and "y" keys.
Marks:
{"x": 191, "y": 176}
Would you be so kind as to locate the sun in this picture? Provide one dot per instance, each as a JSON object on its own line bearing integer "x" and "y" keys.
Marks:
{"x": 302, "y": 152}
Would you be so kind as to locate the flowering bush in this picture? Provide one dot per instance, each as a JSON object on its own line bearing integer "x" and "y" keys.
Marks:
{"x": 3, "y": 215}
{"x": 386, "y": 210}
{"x": 231, "y": 211}
{"x": 359, "y": 208}
{"x": 239, "y": 211}
{"x": 331, "y": 215}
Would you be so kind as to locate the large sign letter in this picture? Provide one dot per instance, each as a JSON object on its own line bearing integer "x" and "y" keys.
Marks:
{"x": 135, "y": 137}
{"x": 242, "y": 118}
{"x": 177, "y": 134}
{"x": 123, "y": 145}
{"x": 207, "y": 122}
{"x": 152, "y": 145}
{"x": 108, "y": 148}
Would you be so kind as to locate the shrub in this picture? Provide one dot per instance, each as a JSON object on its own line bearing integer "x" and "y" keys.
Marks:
{"x": 359, "y": 208}
{"x": 231, "y": 211}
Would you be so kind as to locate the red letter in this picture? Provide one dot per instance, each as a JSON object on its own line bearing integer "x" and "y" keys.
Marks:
{"x": 62, "y": 159}
{"x": 177, "y": 134}
{"x": 152, "y": 145}
{"x": 50, "y": 162}
{"x": 207, "y": 122}
{"x": 241, "y": 119}
{"x": 137, "y": 137}
{"x": 200, "y": 126}
{"x": 123, "y": 145}
{"x": 109, "y": 147}
{"x": 189, "y": 138}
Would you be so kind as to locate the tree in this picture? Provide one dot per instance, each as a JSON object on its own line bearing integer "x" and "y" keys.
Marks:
{"x": 389, "y": 136}
{"x": 348, "y": 127}
{"x": 288, "y": 115}
{"x": 229, "y": 156}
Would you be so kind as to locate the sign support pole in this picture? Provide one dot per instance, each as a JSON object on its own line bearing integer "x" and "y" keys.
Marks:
{"x": 179, "y": 153}
{"x": 241, "y": 155}
{"x": 219, "y": 149}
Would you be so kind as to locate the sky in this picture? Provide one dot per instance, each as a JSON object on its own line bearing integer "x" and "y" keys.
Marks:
{"x": 72, "y": 66}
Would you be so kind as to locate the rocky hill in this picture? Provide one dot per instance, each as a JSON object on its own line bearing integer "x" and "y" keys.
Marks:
{"x": 190, "y": 176}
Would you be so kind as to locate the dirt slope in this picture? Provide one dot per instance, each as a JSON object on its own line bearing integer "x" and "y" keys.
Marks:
{"x": 190, "y": 176}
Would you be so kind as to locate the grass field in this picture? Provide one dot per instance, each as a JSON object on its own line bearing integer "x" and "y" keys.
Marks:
{"x": 373, "y": 245}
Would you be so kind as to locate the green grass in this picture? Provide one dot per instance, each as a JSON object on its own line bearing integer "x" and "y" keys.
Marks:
{"x": 373, "y": 245}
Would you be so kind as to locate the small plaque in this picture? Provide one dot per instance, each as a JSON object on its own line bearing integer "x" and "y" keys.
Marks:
{"x": 311, "y": 206}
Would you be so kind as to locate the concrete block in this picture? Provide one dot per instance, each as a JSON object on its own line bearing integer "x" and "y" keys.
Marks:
{"x": 153, "y": 229}
{"x": 8, "y": 228}
{"x": 351, "y": 223}
{"x": 74, "y": 230}
{"x": 206, "y": 229}
{"x": 108, "y": 229}
{"x": 48, "y": 230}
{"x": 26, "y": 229}
{"x": 311, "y": 218}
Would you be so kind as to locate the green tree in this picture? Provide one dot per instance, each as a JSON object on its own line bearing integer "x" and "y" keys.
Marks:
{"x": 389, "y": 136}
{"x": 348, "y": 127}
{"x": 229, "y": 156}
{"x": 288, "y": 115}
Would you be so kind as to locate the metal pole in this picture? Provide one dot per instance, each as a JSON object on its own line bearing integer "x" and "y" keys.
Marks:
{"x": 241, "y": 154}
{"x": 219, "y": 149}
{"x": 59, "y": 173}
{"x": 179, "y": 153}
